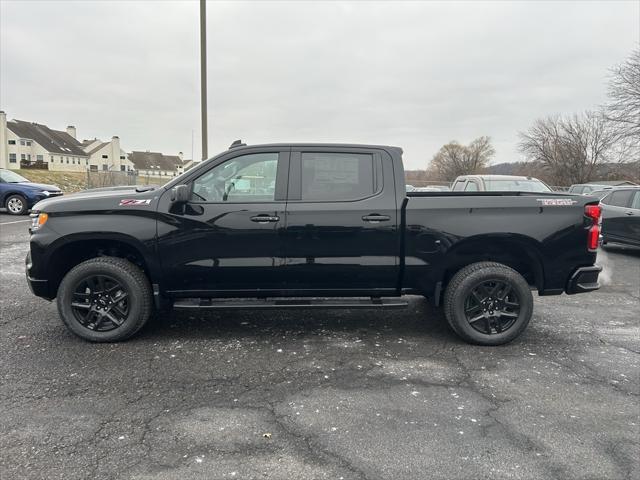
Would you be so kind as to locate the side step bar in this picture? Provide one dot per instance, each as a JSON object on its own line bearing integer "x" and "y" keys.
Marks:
{"x": 286, "y": 303}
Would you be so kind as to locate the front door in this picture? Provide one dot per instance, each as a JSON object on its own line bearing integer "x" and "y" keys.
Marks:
{"x": 227, "y": 239}
{"x": 342, "y": 225}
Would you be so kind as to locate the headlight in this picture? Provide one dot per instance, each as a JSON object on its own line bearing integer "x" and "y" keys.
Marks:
{"x": 38, "y": 220}
{"x": 46, "y": 193}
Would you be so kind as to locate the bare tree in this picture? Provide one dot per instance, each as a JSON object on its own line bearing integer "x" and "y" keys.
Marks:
{"x": 570, "y": 148}
{"x": 623, "y": 109}
{"x": 454, "y": 159}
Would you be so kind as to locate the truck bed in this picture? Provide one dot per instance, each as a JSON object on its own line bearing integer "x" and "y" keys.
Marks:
{"x": 539, "y": 230}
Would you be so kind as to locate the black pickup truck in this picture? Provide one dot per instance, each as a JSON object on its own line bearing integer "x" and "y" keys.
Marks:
{"x": 308, "y": 226}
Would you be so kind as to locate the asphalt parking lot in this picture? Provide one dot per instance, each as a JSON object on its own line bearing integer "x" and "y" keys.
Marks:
{"x": 322, "y": 394}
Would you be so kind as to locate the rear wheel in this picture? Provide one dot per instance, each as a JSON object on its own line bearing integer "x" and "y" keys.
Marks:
{"x": 16, "y": 205}
{"x": 105, "y": 299}
{"x": 488, "y": 303}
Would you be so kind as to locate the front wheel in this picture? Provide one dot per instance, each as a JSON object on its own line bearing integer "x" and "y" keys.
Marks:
{"x": 488, "y": 303}
{"x": 16, "y": 205}
{"x": 105, "y": 299}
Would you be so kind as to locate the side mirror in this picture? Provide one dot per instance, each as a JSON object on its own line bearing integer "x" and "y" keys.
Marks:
{"x": 180, "y": 194}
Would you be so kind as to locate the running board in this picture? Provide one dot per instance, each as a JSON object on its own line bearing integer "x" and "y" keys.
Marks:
{"x": 267, "y": 304}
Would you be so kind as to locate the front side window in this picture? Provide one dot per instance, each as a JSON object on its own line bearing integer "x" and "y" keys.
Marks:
{"x": 338, "y": 176}
{"x": 249, "y": 178}
{"x": 618, "y": 198}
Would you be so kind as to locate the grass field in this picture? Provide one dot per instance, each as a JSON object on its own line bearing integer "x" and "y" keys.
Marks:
{"x": 70, "y": 182}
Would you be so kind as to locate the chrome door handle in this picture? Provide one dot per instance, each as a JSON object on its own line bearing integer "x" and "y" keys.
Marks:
{"x": 264, "y": 219}
{"x": 375, "y": 218}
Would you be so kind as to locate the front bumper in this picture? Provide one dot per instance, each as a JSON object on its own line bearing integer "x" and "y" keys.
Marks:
{"x": 40, "y": 288}
{"x": 584, "y": 279}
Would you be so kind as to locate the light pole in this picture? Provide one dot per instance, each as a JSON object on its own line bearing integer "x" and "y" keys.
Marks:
{"x": 203, "y": 76}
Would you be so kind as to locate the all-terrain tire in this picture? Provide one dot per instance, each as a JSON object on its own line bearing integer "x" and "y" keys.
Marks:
{"x": 460, "y": 288}
{"x": 133, "y": 281}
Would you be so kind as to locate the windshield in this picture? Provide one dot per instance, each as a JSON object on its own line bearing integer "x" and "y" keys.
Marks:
{"x": 11, "y": 177}
{"x": 515, "y": 186}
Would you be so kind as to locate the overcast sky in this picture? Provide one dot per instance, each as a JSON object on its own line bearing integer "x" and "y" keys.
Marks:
{"x": 414, "y": 74}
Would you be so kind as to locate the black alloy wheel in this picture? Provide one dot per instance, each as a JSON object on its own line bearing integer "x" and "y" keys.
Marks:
{"x": 100, "y": 303}
{"x": 492, "y": 307}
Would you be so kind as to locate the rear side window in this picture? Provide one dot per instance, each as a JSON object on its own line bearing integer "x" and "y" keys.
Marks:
{"x": 618, "y": 198}
{"x": 636, "y": 201}
{"x": 458, "y": 186}
{"x": 339, "y": 176}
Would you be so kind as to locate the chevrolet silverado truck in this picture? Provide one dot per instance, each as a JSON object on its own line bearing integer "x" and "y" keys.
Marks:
{"x": 308, "y": 226}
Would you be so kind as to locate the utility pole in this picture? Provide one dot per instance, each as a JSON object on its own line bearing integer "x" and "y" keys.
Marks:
{"x": 203, "y": 77}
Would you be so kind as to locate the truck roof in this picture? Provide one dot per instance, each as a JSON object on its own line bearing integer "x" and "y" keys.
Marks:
{"x": 241, "y": 145}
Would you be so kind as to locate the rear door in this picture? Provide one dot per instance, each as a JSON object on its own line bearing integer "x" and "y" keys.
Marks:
{"x": 342, "y": 223}
{"x": 616, "y": 214}
{"x": 632, "y": 230}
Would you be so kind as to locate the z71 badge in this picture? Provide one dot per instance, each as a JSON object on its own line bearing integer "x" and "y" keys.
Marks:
{"x": 133, "y": 202}
{"x": 556, "y": 202}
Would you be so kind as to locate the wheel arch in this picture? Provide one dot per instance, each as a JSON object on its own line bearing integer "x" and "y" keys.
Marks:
{"x": 8, "y": 194}
{"x": 69, "y": 251}
{"x": 519, "y": 252}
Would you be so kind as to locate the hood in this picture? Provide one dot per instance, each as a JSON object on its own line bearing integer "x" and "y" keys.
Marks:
{"x": 38, "y": 186}
{"x": 98, "y": 200}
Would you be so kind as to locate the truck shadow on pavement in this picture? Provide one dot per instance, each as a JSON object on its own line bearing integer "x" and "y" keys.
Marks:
{"x": 419, "y": 320}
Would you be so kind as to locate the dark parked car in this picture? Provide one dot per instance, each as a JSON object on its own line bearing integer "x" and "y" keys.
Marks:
{"x": 288, "y": 225}
{"x": 18, "y": 195}
{"x": 621, "y": 216}
{"x": 588, "y": 188}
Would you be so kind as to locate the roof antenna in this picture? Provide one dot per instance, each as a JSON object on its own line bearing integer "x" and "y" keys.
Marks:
{"x": 237, "y": 143}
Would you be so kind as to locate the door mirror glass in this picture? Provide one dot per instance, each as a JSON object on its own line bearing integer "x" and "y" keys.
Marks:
{"x": 180, "y": 194}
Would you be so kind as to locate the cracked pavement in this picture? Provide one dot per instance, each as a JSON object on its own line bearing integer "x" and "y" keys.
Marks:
{"x": 322, "y": 394}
